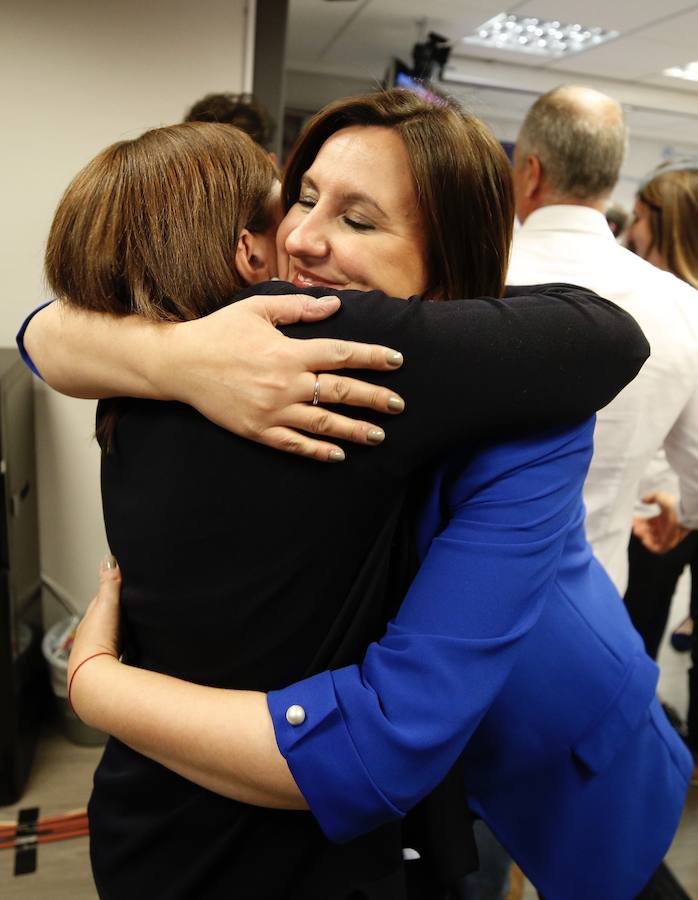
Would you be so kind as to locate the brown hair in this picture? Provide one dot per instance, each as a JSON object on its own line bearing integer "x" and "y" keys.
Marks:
{"x": 463, "y": 181}
{"x": 243, "y": 111}
{"x": 672, "y": 199}
{"x": 151, "y": 225}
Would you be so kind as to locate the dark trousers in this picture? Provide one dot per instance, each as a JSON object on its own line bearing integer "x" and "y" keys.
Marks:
{"x": 491, "y": 881}
{"x": 651, "y": 585}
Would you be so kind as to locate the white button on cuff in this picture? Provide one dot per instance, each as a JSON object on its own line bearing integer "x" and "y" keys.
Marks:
{"x": 295, "y": 715}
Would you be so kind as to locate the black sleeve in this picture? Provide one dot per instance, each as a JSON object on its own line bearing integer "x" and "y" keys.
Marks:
{"x": 545, "y": 355}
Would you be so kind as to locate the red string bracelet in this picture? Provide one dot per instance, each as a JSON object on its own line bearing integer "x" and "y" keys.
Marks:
{"x": 77, "y": 669}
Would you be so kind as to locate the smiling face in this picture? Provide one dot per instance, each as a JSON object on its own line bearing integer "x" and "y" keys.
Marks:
{"x": 356, "y": 223}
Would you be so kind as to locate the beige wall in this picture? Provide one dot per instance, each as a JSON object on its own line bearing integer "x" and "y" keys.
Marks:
{"x": 309, "y": 91}
{"x": 77, "y": 75}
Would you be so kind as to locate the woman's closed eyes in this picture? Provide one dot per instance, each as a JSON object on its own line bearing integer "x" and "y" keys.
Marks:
{"x": 309, "y": 203}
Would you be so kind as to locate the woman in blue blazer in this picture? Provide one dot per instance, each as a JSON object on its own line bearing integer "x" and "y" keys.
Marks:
{"x": 512, "y": 647}
{"x": 551, "y": 724}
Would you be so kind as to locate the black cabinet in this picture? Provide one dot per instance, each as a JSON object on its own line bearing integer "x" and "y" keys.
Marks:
{"x": 23, "y": 679}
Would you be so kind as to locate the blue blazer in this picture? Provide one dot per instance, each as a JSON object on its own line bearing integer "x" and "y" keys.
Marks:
{"x": 512, "y": 649}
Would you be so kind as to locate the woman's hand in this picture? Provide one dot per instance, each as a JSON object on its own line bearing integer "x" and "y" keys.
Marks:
{"x": 97, "y": 635}
{"x": 233, "y": 366}
{"x": 223, "y": 740}
{"x": 262, "y": 387}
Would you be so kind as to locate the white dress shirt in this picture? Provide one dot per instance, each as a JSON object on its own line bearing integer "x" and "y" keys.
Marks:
{"x": 660, "y": 407}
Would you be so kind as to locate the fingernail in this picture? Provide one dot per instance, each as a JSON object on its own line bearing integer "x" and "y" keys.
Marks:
{"x": 108, "y": 562}
{"x": 375, "y": 435}
{"x": 396, "y": 404}
{"x": 336, "y": 456}
{"x": 393, "y": 358}
{"x": 325, "y": 299}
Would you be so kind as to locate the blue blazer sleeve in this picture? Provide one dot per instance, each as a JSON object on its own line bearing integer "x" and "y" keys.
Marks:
{"x": 20, "y": 339}
{"x": 377, "y": 737}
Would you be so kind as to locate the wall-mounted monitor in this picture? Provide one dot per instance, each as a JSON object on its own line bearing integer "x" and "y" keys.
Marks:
{"x": 400, "y": 75}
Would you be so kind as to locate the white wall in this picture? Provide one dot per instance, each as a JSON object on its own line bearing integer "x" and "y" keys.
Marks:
{"x": 77, "y": 75}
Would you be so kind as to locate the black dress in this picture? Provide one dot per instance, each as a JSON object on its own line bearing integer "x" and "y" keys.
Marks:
{"x": 248, "y": 568}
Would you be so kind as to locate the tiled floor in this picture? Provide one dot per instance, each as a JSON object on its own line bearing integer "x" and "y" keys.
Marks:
{"x": 61, "y": 777}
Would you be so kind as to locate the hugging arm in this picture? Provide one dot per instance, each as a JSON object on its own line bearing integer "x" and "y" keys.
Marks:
{"x": 195, "y": 731}
{"x": 545, "y": 355}
{"x": 233, "y": 366}
{"x": 378, "y": 736}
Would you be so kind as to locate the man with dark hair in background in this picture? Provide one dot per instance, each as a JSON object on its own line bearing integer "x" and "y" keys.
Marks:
{"x": 241, "y": 110}
{"x": 617, "y": 219}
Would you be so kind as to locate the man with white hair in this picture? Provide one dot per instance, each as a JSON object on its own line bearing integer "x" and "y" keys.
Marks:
{"x": 566, "y": 163}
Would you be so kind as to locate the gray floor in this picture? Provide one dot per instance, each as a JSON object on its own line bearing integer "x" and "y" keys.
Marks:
{"x": 60, "y": 782}
{"x": 683, "y": 855}
{"x": 61, "y": 778}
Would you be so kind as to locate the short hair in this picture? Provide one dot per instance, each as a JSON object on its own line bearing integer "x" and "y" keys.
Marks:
{"x": 243, "y": 111}
{"x": 580, "y": 151}
{"x": 617, "y": 219}
{"x": 462, "y": 178}
{"x": 672, "y": 198}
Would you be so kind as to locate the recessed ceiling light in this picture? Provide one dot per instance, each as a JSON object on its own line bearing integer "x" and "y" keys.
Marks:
{"x": 689, "y": 71}
{"x": 543, "y": 37}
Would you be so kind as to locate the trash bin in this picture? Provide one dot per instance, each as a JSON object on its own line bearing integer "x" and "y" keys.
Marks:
{"x": 56, "y": 649}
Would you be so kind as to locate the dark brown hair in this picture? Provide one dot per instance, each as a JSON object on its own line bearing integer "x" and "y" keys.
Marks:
{"x": 463, "y": 182}
{"x": 243, "y": 111}
{"x": 672, "y": 199}
{"x": 151, "y": 225}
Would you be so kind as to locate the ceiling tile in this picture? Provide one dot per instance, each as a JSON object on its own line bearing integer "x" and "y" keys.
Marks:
{"x": 472, "y": 51}
{"x": 386, "y": 28}
{"x": 372, "y": 47}
{"x": 680, "y": 30}
{"x": 312, "y": 24}
{"x": 628, "y": 58}
{"x": 450, "y": 10}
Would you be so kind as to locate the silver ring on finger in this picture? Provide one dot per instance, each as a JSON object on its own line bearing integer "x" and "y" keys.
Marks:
{"x": 316, "y": 392}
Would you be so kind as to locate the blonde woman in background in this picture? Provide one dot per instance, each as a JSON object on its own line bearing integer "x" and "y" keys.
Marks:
{"x": 665, "y": 233}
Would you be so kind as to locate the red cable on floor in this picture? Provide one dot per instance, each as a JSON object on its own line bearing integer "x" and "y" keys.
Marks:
{"x": 44, "y": 831}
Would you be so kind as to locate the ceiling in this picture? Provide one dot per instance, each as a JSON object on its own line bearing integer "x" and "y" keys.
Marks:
{"x": 356, "y": 38}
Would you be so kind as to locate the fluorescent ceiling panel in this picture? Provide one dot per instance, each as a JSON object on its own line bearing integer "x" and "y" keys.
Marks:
{"x": 541, "y": 37}
{"x": 689, "y": 71}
